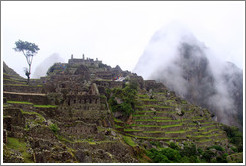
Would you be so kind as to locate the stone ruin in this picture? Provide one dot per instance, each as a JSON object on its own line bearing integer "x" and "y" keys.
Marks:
{"x": 77, "y": 91}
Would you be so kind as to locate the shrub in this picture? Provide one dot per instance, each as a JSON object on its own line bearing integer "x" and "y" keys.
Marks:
{"x": 155, "y": 143}
{"x": 207, "y": 155}
{"x": 127, "y": 95}
{"x": 217, "y": 147}
{"x": 54, "y": 128}
{"x": 174, "y": 146}
{"x": 235, "y": 136}
{"x": 189, "y": 150}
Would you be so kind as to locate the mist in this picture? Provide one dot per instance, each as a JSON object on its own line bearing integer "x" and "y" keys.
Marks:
{"x": 43, "y": 67}
{"x": 175, "y": 57}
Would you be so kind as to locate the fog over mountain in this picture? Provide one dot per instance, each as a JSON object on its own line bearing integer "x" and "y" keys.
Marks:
{"x": 43, "y": 67}
{"x": 185, "y": 65}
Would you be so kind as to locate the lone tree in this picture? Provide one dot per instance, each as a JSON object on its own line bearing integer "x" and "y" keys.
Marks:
{"x": 29, "y": 50}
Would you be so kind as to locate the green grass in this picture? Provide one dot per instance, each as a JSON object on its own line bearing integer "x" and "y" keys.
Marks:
{"x": 154, "y": 138}
{"x": 169, "y": 101}
{"x": 180, "y": 131}
{"x": 16, "y": 85}
{"x": 152, "y": 132}
{"x": 148, "y": 99}
{"x": 118, "y": 121}
{"x": 131, "y": 130}
{"x": 167, "y": 120}
{"x": 41, "y": 118}
{"x": 140, "y": 125}
{"x": 204, "y": 123}
{"x": 210, "y": 131}
{"x": 145, "y": 120}
{"x": 174, "y": 125}
{"x": 139, "y": 107}
{"x": 16, "y": 144}
{"x": 205, "y": 127}
{"x": 157, "y": 106}
{"x": 137, "y": 112}
{"x": 162, "y": 118}
{"x": 117, "y": 126}
{"x": 205, "y": 140}
{"x": 13, "y": 80}
{"x": 19, "y": 102}
{"x": 45, "y": 106}
{"x": 155, "y": 120}
{"x": 61, "y": 138}
{"x": 139, "y": 115}
{"x": 143, "y": 96}
{"x": 160, "y": 93}
{"x": 129, "y": 141}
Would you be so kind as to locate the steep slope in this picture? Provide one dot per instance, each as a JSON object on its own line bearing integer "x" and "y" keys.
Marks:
{"x": 68, "y": 117}
{"x": 177, "y": 59}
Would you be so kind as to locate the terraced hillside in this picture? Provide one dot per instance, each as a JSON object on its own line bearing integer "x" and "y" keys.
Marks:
{"x": 67, "y": 116}
{"x": 161, "y": 117}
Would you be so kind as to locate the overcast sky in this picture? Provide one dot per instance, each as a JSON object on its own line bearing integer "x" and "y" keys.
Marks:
{"x": 116, "y": 32}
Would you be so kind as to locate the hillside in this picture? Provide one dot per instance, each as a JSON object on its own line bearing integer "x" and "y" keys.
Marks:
{"x": 176, "y": 58}
{"x": 85, "y": 111}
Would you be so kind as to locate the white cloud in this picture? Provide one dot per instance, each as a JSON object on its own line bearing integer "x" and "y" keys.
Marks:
{"x": 116, "y": 32}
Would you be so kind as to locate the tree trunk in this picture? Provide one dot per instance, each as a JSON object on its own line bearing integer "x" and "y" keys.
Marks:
{"x": 28, "y": 74}
{"x": 28, "y": 79}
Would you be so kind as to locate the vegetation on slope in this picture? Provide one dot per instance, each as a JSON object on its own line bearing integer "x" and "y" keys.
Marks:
{"x": 187, "y": 154}
{"x": 123, "y": 99}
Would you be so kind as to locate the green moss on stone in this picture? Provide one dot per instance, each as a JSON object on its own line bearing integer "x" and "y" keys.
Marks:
{"x": 20, "y": 146}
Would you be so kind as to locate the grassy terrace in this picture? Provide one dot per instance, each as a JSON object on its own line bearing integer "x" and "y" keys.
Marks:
{"x": 137, "y": 112}
{"x": 118, "y": 121}
{"x": 139, "y": 115}
{"x": 117, "y": 126}
{"x": 29, "y": 103}
{"x": 208, "y": 132}
{"x": 162, "y": 118}
{"x": 179, "y": 131}
{"x": 152, "y": 132}
{"x": 207, "y": 123}
{"x": 45, "y": 106}
{"x": 19, "y": 102}
{"x": 13, "y": 80}
{"x": 154, "y": 138}
{"x": 174, "y": 125}
{"x": 157, "y": 106}
{"x": 205, "y": 136}
{"x": 155, "y": 120}
{"x": 129, "y": 141}
{"x": 148, "y": 99}
{"x": 131, "y": 130}
{"x": 157, "y": 112}
{"x": 205, "y": 127}
{"x": 23, "y": 85}
{"x": 16, "y": 85}
{"x": 140, "y": 125}
{"x": 143, "y": 96}
{"x": 41, "y": 118}
{"x": 204, "y": 140}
